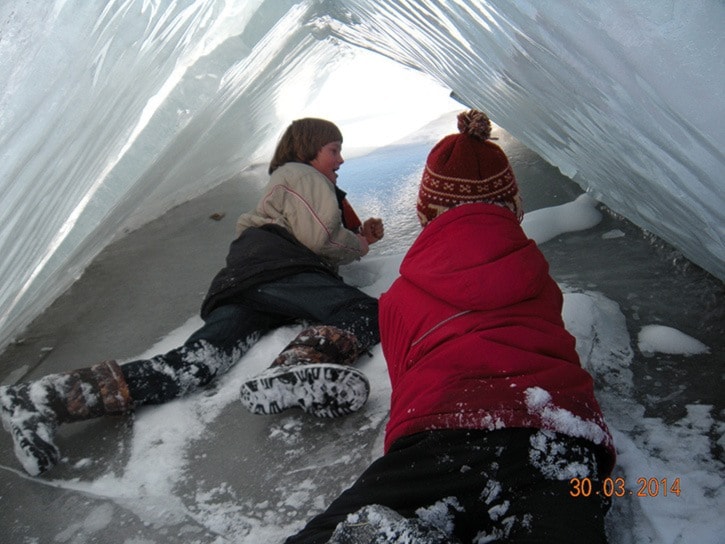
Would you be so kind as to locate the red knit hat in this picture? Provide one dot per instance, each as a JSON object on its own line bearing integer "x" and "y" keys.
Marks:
{"x": 467, "y": 167}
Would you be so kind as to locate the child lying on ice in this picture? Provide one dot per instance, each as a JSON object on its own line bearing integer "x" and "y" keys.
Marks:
{"x": 493, "y": 421}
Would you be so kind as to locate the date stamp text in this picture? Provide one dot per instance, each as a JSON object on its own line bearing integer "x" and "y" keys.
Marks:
{"x": 617, "y": 487}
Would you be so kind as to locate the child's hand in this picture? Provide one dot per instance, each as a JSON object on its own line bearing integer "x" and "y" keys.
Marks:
{"x": 373, "y": 229}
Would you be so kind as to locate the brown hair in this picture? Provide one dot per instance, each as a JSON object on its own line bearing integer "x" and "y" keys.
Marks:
{"x": 302, "y": 140}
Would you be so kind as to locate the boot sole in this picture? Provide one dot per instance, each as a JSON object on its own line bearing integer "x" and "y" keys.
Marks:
{"x": 322, "y": 390}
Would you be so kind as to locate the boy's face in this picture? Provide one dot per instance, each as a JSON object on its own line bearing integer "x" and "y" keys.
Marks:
{"x": 328, "y": 160}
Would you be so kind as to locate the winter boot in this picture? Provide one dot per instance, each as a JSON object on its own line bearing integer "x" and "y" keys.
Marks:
{"x": 376, "y": 524}
{"x": 32, "y": 411}
{"x": 313, "y": 373}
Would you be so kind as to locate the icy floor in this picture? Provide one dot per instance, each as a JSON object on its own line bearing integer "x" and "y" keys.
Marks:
{"x": 200, "y": 469}
{"x": 167, "y": 441}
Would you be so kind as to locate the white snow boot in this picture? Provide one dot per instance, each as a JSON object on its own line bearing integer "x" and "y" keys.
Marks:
{"x": 312, "y": 373}
{"x": 31, "y": 412}
{"x": 376, "y": 524}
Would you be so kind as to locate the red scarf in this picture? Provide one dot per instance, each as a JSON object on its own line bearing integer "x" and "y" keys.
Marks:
{"x": 349, "y": 217}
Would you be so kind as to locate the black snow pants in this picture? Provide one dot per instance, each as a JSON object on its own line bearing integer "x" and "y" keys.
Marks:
{"x": 230, "y": 330}
{"x": 509, "y": 485}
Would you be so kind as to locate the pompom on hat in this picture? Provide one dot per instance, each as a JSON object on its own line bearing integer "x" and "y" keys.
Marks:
{"x": 467, "y": 167}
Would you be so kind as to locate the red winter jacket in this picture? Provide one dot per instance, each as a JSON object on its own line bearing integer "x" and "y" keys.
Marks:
{"x": 473, "y": 335}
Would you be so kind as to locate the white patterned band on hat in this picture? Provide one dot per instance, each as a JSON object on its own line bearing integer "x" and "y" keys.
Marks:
{"x": 450, "y": 189}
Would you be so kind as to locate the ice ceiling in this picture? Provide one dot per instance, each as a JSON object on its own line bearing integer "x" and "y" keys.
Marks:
{"x": 112, "y": 112}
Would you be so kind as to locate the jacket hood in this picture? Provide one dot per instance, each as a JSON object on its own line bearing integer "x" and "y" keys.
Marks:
{"x": 476, "y": 257}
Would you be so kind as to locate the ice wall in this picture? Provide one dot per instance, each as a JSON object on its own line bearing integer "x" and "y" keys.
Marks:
{"x": 111, "y": 113}
{"x": 624, "y": 97}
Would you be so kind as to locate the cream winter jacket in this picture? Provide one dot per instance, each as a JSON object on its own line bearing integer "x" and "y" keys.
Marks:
{"x": 303, "y": 201}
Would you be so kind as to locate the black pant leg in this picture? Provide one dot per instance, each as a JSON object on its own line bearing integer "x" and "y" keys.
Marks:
{"x": 482, "y": 485}
{"x": 322, "y": 299}
{"x": 227, "y": 334}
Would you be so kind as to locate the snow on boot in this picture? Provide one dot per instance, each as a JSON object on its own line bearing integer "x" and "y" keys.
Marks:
{"x": 320, "y": 389}
{"x": 377, "y": 524}
{"x": 311, "y": 373}
{"x": 32, "y": 411}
